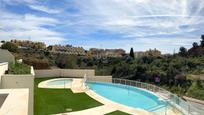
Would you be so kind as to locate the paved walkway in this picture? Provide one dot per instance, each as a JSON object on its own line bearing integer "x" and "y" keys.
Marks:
{"x": 16, "y": 102}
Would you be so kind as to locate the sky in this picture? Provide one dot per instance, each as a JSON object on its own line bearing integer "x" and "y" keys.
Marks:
{"x": 142, "y": 24}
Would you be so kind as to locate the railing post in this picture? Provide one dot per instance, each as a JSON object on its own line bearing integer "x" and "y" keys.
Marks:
{"x": 166, "y": 108}
{"x": 188, "y": 109}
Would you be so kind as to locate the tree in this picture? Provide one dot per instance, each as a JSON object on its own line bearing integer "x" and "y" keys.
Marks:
{"x": 132, "y": 53}
{"x": 10, "y": 47}
{"x": 202, "y": 41}
{"x": 183, "y": 51}
{"x": 66, "y": 61}
{"x": 180, "y": 79}
{"x": 195, "y": 45}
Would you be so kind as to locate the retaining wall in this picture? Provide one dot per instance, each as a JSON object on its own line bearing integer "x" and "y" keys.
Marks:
{"x": 100, "y": 78}
{"x": 64, "y": 73}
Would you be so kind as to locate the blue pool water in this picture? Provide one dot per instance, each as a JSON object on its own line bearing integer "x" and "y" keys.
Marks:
{"x": 60, "y": 82}
{"x": 128, "y": 95}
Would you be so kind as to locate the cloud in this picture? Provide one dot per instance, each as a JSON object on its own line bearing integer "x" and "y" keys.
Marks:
{"x": 141, "y": 19}
{"x": 143, "y": 23}
{"x": 13, "y": 26}
{"x": 131, "y": 16}
{"x": 44, "y": 9}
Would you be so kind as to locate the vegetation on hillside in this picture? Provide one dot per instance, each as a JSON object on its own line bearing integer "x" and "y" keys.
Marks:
{"x": 10, "y": 47}
{"x": 35, "y": 58}
{"x": 172, "y": 70}
{"x": 196, "y": 90}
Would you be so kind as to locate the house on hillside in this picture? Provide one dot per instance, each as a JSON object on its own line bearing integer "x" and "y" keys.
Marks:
{"x": 6, "y": 56}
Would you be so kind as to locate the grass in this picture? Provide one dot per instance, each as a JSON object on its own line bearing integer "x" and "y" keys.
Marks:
{"x": 19, "y": 68}
{"x": 53, "y": 101}
{"x": 117, "y": 113}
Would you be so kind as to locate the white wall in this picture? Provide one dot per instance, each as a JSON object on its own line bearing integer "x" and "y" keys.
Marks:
{"x": 47, "y": 73}
{"x": 64, "y": 73}
{"x": 79, "y": 73}
{"x": 3, "y": 68}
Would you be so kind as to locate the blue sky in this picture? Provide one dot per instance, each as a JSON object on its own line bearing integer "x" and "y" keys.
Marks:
{"x": 141, "y": 24}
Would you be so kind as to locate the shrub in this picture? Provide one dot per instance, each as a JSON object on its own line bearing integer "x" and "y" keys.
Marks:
{"x": 10, "y": 47}
{"x": 19, "y": 68}
{"x": 37, "y": 63}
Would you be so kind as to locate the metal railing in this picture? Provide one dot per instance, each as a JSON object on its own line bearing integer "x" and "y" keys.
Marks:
{"x": 173, "y": 102}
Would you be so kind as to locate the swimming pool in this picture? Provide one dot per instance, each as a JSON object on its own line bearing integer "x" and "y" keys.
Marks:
{"x": 59, "y": 82}
{"x": 128, "y": 95}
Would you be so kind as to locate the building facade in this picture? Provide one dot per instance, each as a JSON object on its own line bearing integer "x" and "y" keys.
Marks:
{"x": 106, "y": 52}
{"x": 150, "y": 52}
{"x": 68, "y": 49}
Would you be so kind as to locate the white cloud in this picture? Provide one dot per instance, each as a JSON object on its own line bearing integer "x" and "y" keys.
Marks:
{"x": 143, "y": 19}
{"x": 44, "y": 9}
{"x": 130, "y": 16}
{"x": 13, "y": 26}
{"x": 148, "y": 23}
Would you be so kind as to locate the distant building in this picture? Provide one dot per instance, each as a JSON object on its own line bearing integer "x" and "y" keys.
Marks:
{"x": 114, "y": 52}
{"x": 154, "y": 52}
{"x": 6, "y": 56}
{"x": 95, "y": 52}
{"x": 68, "y": 49}
{"x": 140, "y": 54}
{"x": 150, "y": 52}
{"x": 107, "y": 52}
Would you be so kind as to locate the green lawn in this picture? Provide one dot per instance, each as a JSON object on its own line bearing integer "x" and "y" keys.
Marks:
{"x": 53, "y": 101}
{"x": 117, "y": 113}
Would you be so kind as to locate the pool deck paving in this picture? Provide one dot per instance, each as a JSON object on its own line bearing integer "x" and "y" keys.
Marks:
{"x": 16, "y": 102}
{"x": 77, "y": 86}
